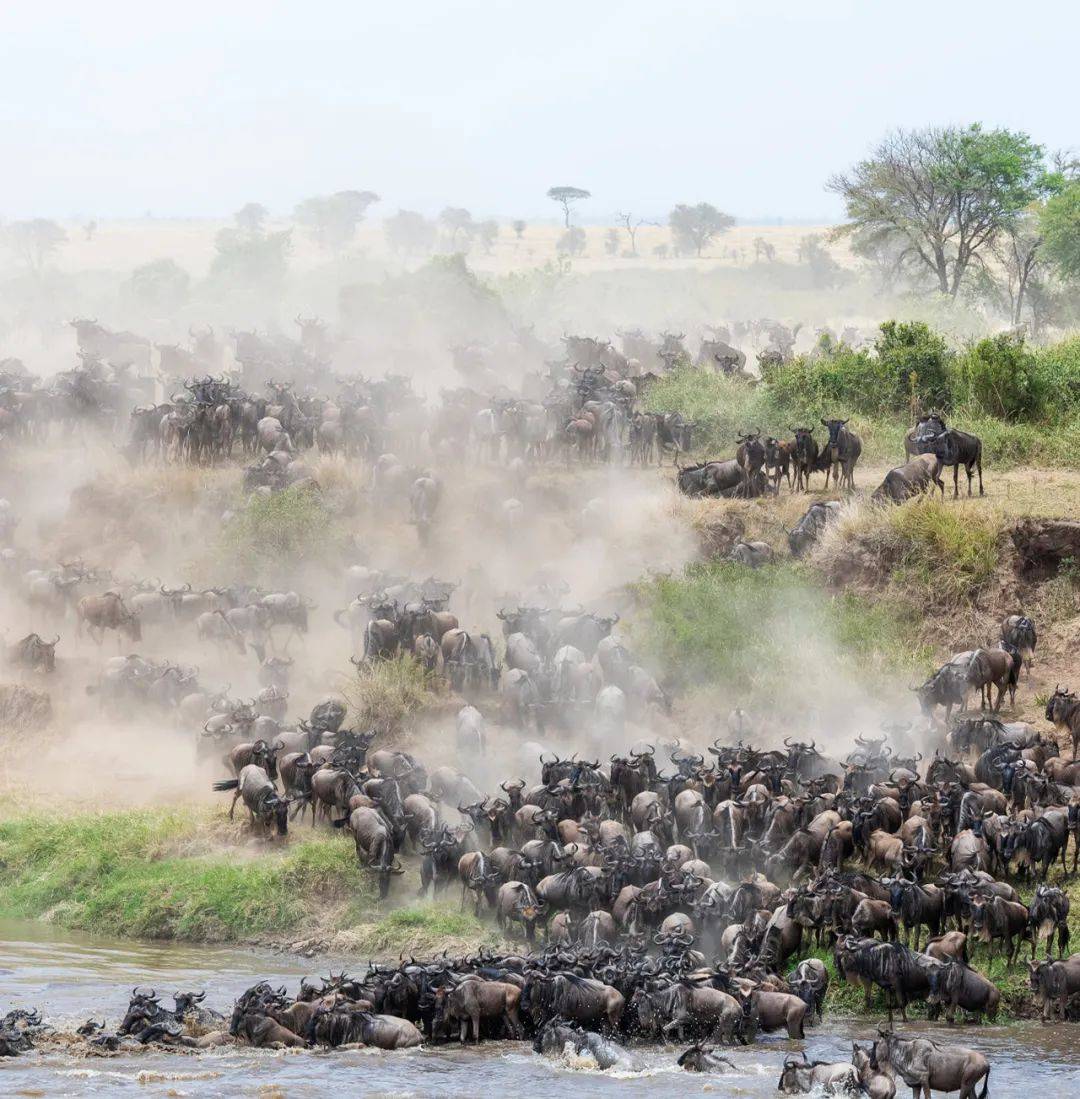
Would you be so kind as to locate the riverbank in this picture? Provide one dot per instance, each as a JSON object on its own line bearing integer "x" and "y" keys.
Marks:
{"x": 190, "y": 875}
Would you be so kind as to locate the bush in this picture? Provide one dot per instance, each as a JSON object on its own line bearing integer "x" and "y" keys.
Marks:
{"x": 909, "y": 360}
{"x": 913, "y": 360}
{"x": 1057, "y": 369}
{"x": 998, "y": 376}
{"x": 386, "y": 693}
{"x": 270, "y": 536}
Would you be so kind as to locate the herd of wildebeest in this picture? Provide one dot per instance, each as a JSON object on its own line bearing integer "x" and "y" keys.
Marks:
{"x": 655, "y": 891}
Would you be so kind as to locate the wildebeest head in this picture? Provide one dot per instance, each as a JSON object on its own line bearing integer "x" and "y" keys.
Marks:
{"x": 942, "y": 444}
{"x": 835, "y": 428}
{"x": 1060, "y": 705}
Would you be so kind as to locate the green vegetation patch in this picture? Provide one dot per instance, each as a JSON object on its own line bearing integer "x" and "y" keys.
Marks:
{"x": 270, "y": 536}
{"x": 130, "y": 873}
{"x": 952, "y": 551}
{"x": 724, "y": 623}
{"x": 1023, "y": 401}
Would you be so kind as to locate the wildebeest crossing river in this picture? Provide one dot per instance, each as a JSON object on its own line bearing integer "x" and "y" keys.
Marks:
{"x": 72, "y": 977}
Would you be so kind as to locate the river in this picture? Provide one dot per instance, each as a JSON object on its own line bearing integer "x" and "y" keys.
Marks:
{"x": 70, "y": 977}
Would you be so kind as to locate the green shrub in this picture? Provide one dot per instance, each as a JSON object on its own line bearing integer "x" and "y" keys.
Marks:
{"x": 913, "y": 360}
{"x": 998, "y": 376}
{"x": 270, "y": 536}
{"x": 1057, "y": 369}
{"x": 909, "y": 359}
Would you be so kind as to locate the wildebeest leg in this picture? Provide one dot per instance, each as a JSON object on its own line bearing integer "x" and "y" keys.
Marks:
{"x": 235, "y": 798}
{"x": 476, "y": 1026}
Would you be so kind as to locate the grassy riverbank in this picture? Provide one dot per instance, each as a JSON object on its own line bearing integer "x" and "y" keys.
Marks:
{"x": 187, "y": 874}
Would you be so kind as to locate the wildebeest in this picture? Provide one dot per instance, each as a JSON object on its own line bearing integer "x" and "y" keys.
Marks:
{"x": 34, "y": 654}
{"x": 843, "y": 448}
{"x": 554, "y": 1037}
{"x": 472, "y": 1001}
{"x": 260, "y": 796}
{"x": 1054, "y": 983}
{"x": 800, "y": 1076}
{"x": 999, "y": 668}
{"x": 923, "y": 1064}
{"x": 915, "y": 477}
{"x": 809, "y": 528}
{"x": 805, "y": 456}
{"x": 107, "y": 611}
{"x": 374, "y": 843}
{"x": 778, "y": 457}
{"x": 1019, "y": 631}
{"x": 709, "y": 478}
{"x": 699, "y": 1058}
{"x": 957, "y": 985}
{"x": 965, "y": 449}
{"x": 515, "y": 902}
{"x": 1063, "y": 710}
{"x": 750, "y": 457}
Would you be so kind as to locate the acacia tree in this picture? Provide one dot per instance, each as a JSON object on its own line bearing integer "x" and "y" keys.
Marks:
{"x": 332, "y": 219}
{"x": 693, "y": 227}
{"x": 458, "y": 221}
{"x": 941, "y": 197}
{"x": 566, "y": 197}
{"x": 251, "y": 217}
{"x": 408, "y": 231}
{"x": 519, "y": 226}
{"x": 632, "y": 225}
{"x": 35, "y": 242}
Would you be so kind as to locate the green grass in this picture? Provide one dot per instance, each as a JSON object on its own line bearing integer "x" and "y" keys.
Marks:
{"x": 946, "y": 550}
{"x": 724, "y": 407}
{"x": 190, "y": 875}
{"x": 270, "y": 536}
{"x": 427, "y": 928}
{"x": 386, "y": 694}
{"x": 721, "y": 623}
{"x": 155, "y": 874}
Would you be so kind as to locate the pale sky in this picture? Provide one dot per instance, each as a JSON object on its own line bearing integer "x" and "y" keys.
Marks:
{"x": 191, "y": 109}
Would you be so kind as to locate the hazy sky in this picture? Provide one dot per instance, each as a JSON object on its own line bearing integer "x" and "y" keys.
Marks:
{"x": 193, "y": 108}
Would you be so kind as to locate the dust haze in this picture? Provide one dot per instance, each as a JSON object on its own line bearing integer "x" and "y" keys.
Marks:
{"x": 452, "y": 334}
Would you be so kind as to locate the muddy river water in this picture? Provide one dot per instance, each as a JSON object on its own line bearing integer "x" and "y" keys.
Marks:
{"x": 72, "y": 977}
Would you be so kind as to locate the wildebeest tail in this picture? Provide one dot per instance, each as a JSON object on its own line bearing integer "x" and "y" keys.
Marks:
{"x": 227, "y": 784}
{"x": 986, "y": 1085}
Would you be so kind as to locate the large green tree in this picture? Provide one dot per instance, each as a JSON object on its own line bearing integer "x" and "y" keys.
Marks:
{"x": 941, "y": 197}
{"x": 1059, "y": 224}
